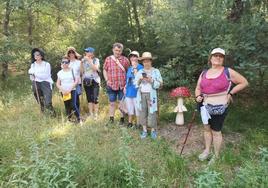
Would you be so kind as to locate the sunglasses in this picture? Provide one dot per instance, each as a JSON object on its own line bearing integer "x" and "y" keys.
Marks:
{"x": 65, "y": 62}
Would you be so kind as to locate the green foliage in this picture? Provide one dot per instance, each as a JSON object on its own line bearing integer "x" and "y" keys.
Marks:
{"x": 253, "y": 173}
{"x": 44, "y": 167}
{"x": 132, "y": 176}
{"x": 209, "y": 178}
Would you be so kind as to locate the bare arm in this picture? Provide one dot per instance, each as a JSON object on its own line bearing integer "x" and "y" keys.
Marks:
{"x": 198, "y": 93}
{"x": 240, "y": 81}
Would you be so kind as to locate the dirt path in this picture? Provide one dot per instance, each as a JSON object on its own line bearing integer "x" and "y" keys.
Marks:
{"x": 175, "y": 135}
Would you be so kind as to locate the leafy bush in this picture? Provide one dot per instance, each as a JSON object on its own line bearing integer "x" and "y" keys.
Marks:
{"x": 209, "y": 178}
{"x": 132, "y": 176}
{"x": 43, "y": 167}
{"x": 253, "y": 174}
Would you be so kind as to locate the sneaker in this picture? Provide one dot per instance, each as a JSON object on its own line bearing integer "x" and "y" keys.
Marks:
{"x": 203, "y": 156}
{"x": 143, "y": 134}
{"x": 122, "y": 120}
{"x": 212, "y": 160}
{"x": 129, "y": 125}
{"x": 154, "y": 135}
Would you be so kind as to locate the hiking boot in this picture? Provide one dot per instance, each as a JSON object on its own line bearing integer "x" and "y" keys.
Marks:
{"x": 203, "y": 156}
{"x": 122, "y": 120}
{"x": 154, "y": 135}
{"x": 110, "y": 122}
{"x": 143, "y": 134}
{"x": 129, "y": 125}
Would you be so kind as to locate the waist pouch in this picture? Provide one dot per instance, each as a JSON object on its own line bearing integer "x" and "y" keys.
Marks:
{"x": 88, "y": 81}
{"x": 216, "y": 109}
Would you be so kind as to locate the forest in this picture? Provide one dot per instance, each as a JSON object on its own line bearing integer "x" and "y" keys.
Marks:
{"x": 37, "y": 151}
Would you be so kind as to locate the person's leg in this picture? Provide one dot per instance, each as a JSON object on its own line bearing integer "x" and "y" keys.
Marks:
{"x": 68, "y": 108}
{"x": 120, "y": 94}
{"x": 36, "y": 88}
{"x": 207, "y": 138}
{"x": 96, "y": 88}
{"x": 112, "y": 98}
{"x": 144, "y": 114}
{"x": 74, "y": 105}
{"x": 130, "y": 109}
{"x": 47, "y": 93}
{"x": 217, "y": 142}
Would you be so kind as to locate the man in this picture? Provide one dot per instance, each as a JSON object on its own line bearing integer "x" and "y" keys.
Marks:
{"x": 114, "y": 72}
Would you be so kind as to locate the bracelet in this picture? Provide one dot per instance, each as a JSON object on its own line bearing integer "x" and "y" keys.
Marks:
{"x": 231, "y": 94}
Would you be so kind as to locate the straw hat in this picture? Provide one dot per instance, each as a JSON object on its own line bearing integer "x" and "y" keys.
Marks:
{"x": 69, "y": 49}
{"x": 146, "y": 55}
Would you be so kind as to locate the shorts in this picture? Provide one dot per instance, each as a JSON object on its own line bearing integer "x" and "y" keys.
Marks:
{"x": 92, "y": 92}
{"x": 114, "y": 94}
{"x": 216, "y": 121}
{"x": 131, "y": 106}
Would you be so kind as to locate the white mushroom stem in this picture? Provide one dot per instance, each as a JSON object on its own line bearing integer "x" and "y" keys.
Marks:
{"x": 180, "y": 108}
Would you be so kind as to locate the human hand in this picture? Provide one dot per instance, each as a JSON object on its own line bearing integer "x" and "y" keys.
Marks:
{"x": 229, "y": 98}
{"x": 199, "y": 98}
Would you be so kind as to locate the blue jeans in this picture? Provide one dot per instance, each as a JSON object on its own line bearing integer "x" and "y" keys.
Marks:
{"x": 114, "y": 94}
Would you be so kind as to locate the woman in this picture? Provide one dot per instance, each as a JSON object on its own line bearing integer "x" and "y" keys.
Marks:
{"x": 75, "y": 65}
{"x": 130, "y": 89}
{"x": 40, "y": 74}
{"x": 66, "y": 83}
{"x": 148, "y": 80}
{"x": 91, "y": 80}
{"x": 213, "y": 91}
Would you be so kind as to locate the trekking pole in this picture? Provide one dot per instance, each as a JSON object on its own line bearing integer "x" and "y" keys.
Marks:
{"x": 189, "y": 129}
{"x": 37, "y": 94}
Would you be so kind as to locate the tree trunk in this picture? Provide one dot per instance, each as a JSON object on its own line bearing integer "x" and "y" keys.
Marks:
{"x": 190, "y": 4}
{"x": 130, "y": 20}
{"x": 8, "y": 11}
{"x": 150, "y": 8}
{"x": 136, "y": 17}
{"x": 237, "y": 10}
{"x": 30, "y": 25}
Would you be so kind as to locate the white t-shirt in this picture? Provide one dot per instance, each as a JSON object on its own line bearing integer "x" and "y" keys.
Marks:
{"x": 75, "y": 65}
{"x": 66, "y": 79}
{"x": 146, "y": 87}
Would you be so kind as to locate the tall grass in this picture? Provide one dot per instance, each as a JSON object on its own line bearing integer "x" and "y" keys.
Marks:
{"x": 38, "y": 151}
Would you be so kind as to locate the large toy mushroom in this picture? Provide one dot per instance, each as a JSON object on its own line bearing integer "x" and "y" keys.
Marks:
{"x": 180, "y": 92}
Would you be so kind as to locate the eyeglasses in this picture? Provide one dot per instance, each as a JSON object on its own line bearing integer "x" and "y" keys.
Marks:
{"x": 65, "y": 62}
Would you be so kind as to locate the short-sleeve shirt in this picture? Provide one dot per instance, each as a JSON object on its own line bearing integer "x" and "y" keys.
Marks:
{"x": 115, "y": 75}
{"x": 66, "y": 79}
{"x": 89, "y": 72}
{"x": 75, "y": 65}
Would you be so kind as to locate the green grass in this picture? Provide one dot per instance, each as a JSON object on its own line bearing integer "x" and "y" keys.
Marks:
{"x": 35, "y": 149}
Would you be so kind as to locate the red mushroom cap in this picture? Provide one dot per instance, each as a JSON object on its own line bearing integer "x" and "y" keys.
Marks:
{"x": 180, "y": 92}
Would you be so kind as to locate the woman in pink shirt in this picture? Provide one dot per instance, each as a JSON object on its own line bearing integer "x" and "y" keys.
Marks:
{"x": 213, "y": 89}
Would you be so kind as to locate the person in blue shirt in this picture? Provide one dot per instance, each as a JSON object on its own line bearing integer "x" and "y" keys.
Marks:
{"x": 130, "y": 89}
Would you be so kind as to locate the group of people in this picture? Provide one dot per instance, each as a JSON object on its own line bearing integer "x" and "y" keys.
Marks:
{"x": 137, "y": 84}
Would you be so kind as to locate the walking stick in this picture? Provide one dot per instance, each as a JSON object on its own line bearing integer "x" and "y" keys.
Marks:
{"x": 189, "y": 129}
{"x": 37, "y": 94}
